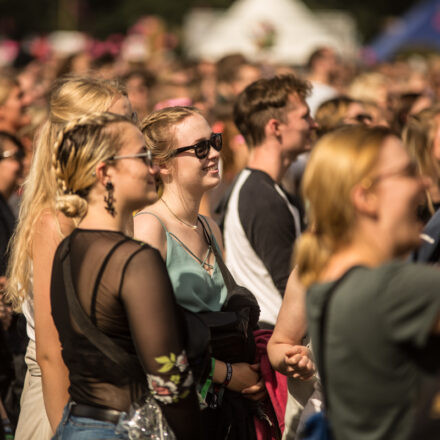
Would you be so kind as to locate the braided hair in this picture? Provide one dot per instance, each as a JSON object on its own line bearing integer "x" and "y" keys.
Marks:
{"x": 80, "y": 146}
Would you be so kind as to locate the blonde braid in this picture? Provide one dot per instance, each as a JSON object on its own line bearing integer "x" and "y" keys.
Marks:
{"x": 79, "y": 147}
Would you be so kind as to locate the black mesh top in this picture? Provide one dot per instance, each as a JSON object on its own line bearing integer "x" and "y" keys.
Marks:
{"x": 123, "y": 285}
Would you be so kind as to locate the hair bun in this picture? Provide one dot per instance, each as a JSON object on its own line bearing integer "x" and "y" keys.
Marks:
{"x": 71, "y": 205}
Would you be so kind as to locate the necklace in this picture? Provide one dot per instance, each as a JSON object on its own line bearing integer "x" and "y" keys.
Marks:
{"x": 196, "y": 226}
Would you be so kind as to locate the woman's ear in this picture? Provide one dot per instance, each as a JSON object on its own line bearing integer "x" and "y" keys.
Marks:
{"x": 364, "y": 200}
{"x": 103, "y": 173}
{"x": 165, "y": 172}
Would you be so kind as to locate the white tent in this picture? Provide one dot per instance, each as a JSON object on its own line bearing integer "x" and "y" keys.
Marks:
{"x": 283, "y": 31}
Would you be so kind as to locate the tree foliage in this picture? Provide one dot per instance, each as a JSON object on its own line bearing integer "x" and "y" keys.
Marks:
{"x": 19, "y": 18}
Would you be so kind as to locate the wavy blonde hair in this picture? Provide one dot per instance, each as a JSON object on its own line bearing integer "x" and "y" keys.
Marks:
{"x": 418, "y": 137}
{"x": 340, "y": 160}
{"x": 70, "y": 98}
{"x": 81, "y": 145}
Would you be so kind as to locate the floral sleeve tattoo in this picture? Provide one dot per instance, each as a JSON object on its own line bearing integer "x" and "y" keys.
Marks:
{"x": 175, "y": 382}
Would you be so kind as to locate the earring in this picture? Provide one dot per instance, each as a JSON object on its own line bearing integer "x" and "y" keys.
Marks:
{"x": 109, "y": 199}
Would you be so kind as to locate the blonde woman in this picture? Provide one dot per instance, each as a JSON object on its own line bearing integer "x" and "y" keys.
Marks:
{"x": 380, "y": 311}
{"x": 421, "y": 136}
{"x": 40, "y": 228}
{"x": 187, "y": 152}
{"x": 105, "y": 172}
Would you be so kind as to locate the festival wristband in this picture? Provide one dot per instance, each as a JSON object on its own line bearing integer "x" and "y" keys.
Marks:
{"x": 207, "y": 384}
{"x": 228, "y": 375}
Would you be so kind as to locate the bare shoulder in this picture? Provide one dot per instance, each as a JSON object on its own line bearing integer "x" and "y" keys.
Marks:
{"x": 148, "y": 227}
{"x": 52, "y": 225}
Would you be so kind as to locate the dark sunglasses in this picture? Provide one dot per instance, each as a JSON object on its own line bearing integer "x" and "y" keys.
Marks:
{"x": 146, "y": 156}
{"x": 201, "y": 149}
{"x": 16, "y": 155}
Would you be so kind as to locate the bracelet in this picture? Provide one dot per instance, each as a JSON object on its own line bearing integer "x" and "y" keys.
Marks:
{"x": 228, "y": 375}
{"x": 207, "y": 384}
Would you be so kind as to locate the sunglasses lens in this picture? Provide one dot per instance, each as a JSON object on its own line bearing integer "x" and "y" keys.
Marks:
{"x": 216, "y": 141}
{"x": 202, "y": 149}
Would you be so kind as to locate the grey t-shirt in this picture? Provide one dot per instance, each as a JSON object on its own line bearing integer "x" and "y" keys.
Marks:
{"x": 378, "y": 340}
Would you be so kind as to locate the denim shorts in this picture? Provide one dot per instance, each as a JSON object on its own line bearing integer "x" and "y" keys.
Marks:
{"x": 83, "y": 428}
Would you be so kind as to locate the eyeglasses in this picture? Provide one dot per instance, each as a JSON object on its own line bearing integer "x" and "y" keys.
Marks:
{"x": 410, "y": 170}
{"x": 201, "y": 149}
{"x": 146, "y": 156}
{"x": 17, "y": 155}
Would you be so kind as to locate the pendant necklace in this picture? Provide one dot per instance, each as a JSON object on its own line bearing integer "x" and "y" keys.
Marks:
{"x": 194, "y": 227}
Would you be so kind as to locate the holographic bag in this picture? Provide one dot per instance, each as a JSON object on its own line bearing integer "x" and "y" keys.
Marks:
{"x": 145, "y": 422}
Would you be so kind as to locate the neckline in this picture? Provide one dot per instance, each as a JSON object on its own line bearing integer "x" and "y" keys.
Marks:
{"x": 190, "y": 255}
{"x": 78, "y": 229}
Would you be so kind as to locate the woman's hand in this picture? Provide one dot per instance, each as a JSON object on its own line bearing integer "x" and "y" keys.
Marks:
{"x": 246, "y": 380}
{"x": 298, "y": 363}
{"x": 257, "y": 391}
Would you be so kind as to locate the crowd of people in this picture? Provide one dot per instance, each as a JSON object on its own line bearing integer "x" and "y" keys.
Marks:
{"x": 245, "y": 244}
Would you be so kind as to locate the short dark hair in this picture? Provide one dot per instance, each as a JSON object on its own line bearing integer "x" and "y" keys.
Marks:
{"x": 229, "y": 66}
{"x": 265, "y": 99}
{"x": 316, "y": 55}
{"x": 147, "y": 77}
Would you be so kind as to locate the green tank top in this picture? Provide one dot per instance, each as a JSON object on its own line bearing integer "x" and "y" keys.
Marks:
{"x": 195, "y": 289}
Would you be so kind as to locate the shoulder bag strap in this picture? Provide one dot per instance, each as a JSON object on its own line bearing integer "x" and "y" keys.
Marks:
{"x": 100, "y": 340}
{"x": 322, "y": 331}
{"x": 227, "y": 276}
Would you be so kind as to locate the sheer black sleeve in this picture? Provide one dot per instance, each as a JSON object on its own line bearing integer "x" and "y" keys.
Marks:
{"x": 157, "y": 333}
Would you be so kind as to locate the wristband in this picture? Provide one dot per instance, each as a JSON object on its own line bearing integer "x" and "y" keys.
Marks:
{"x": 207, "y": 384}
{"x": 228, "y": 375}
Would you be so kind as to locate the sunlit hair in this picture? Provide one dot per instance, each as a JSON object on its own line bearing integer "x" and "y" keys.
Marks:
{"x": 340, "y": 160}
{"x": 365, "y": 87}
{"x": 158, "y": 130}
{"x": 80, "y": 146}
{"x": 331, "y": 113}
{"x": 7, "y": 83}
{"x": 265, "y": 99}
{"x": 418, "y": 137}
{"x": 70, "y": 98}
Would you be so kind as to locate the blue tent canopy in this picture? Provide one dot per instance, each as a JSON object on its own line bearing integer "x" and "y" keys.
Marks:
{"x": 419, "y": 27}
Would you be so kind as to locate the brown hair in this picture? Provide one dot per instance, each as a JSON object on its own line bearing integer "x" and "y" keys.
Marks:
{"x": 418, "y": 136}
{"x": 7, "y": 83}
{"x": 265, "y": 99}
{"x": 331, "y": 113}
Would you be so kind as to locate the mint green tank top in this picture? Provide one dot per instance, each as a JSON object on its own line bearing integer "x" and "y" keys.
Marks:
{"x": 194, "y": 287}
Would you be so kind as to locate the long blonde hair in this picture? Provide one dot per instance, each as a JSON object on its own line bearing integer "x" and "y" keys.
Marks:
{"x": 418, "y": 137}
{"x": 340, "y": 160}
{"x": 70, "y": 98}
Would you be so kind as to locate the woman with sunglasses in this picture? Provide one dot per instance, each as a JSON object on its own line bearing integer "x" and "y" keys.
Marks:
{"x": 187, "y": 153}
